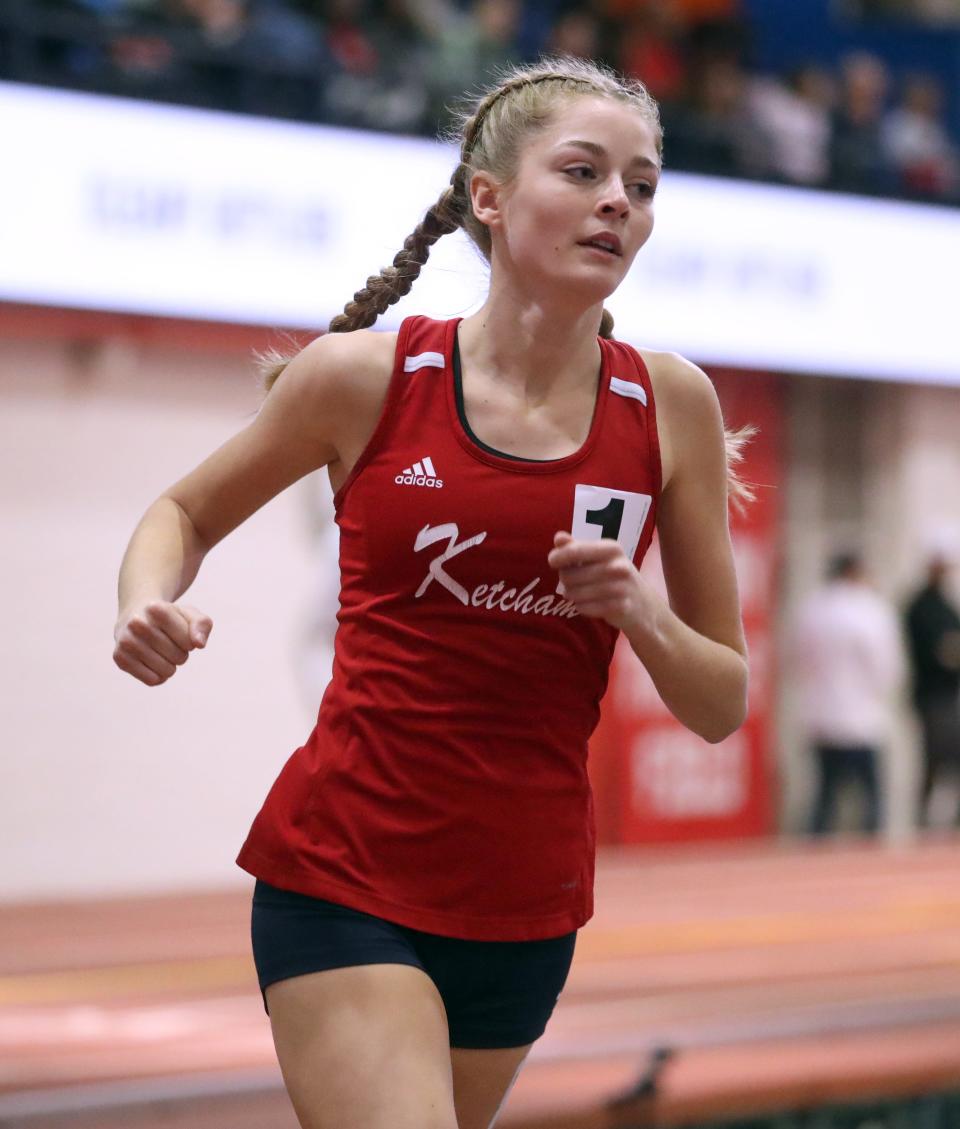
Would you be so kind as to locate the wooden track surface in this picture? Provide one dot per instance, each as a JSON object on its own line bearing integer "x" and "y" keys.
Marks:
{"x": 776, "y": 975}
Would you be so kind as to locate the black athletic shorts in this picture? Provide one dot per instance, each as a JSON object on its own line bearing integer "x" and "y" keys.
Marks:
{"x": 496, "y": 993}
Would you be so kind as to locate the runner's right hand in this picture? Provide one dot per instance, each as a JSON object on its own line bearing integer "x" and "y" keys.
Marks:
{"x": 153, "y": 640}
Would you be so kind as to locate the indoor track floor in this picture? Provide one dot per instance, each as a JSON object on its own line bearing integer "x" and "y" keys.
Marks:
{"x": 738, "y": 978}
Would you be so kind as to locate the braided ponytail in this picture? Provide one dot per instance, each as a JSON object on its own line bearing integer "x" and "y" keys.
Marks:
{"x": 394, "y": 281}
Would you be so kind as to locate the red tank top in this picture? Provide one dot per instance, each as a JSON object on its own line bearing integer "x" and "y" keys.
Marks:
{"x": 445, "y": 786}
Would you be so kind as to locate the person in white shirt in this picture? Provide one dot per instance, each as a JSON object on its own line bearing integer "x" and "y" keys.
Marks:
{"x": 848, "y": 659}
{"x": 918, "y": 143}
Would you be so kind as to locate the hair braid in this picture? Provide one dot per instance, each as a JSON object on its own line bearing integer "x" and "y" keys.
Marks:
{"x": 393, "y": 282}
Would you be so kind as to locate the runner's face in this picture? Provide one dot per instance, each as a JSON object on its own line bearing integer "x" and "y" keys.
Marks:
{"x": 581, "y": 204}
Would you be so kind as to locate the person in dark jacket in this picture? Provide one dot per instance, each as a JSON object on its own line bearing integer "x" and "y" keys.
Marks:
{"x": 933, "y": 632}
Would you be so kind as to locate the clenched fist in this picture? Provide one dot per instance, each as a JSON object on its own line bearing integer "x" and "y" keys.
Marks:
{"x": 153, "y": 640}
{"x": 599, "y": 579}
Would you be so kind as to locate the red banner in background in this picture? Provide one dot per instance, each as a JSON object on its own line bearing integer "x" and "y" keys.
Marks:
{"x": 655, "y": 781}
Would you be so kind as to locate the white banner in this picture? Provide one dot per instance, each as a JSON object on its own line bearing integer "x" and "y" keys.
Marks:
{"x": 121, "y": 205}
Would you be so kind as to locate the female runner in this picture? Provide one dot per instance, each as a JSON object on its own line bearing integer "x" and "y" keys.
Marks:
{"x": 423, "y": 862}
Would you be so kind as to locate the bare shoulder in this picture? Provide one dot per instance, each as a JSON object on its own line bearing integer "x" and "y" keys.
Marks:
{"x": 336, "y": 388}
{"x": 688, "y": 411}
{"x": 348, "y": 369}
{"x": 679, "y": 383}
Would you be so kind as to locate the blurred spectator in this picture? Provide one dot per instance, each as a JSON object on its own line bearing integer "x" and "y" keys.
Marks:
{"x": 685, "y": 13}
{"x": 110, "y": 8}
{"x": 576, "y": 33}
{"x": 89, "y": 43}
{"x": 917, "y": 144}
{"x": 858, "y": 159}
{"x": 378, "y": 64}
{"x": 348, "y": 37}
{"x": 250, "y": 55}
{"x": 106, "y": 9}
{"x": 847, "y": 655}
{"x": 405, "y": 54}
{"x": 470, "y": 48}
{"x": 933, "y": 631}
{"x": 268, "y": 31}
{"x": 650, "y": 48}
{"x": 538, "y": 17}
{"x": 935, "y": 12}
{"x": 795, "y": 116}
{"x": 142, "y": 50}
{"x": 878, "y": 9}
{"x": 943, "y": 13}
{"x": 714, "y": 129}
{"x": 700, "y": 11}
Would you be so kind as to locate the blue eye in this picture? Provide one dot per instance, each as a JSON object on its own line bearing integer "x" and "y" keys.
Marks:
{"x": 574, "y": 170}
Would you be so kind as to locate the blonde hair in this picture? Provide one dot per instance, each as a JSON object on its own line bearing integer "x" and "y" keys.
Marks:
{"x": 739, "y": 492}
{"x": 491, "y": 135}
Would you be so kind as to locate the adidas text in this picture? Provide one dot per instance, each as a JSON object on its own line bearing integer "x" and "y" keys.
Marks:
{"x": 417, "y": 480}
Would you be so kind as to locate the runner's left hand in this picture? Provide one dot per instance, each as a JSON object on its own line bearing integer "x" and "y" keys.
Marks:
{"x": 599, "y": 579}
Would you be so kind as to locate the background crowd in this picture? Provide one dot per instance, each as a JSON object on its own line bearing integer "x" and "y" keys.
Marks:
{"x": 743, "y": 95}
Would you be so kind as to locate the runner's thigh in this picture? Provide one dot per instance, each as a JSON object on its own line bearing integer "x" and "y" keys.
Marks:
{"x": 482, "y": 1079}
{"x": 364, "y": 1047}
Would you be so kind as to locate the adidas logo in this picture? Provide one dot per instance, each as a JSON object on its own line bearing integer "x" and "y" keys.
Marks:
{"x": 420, "y": 474}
